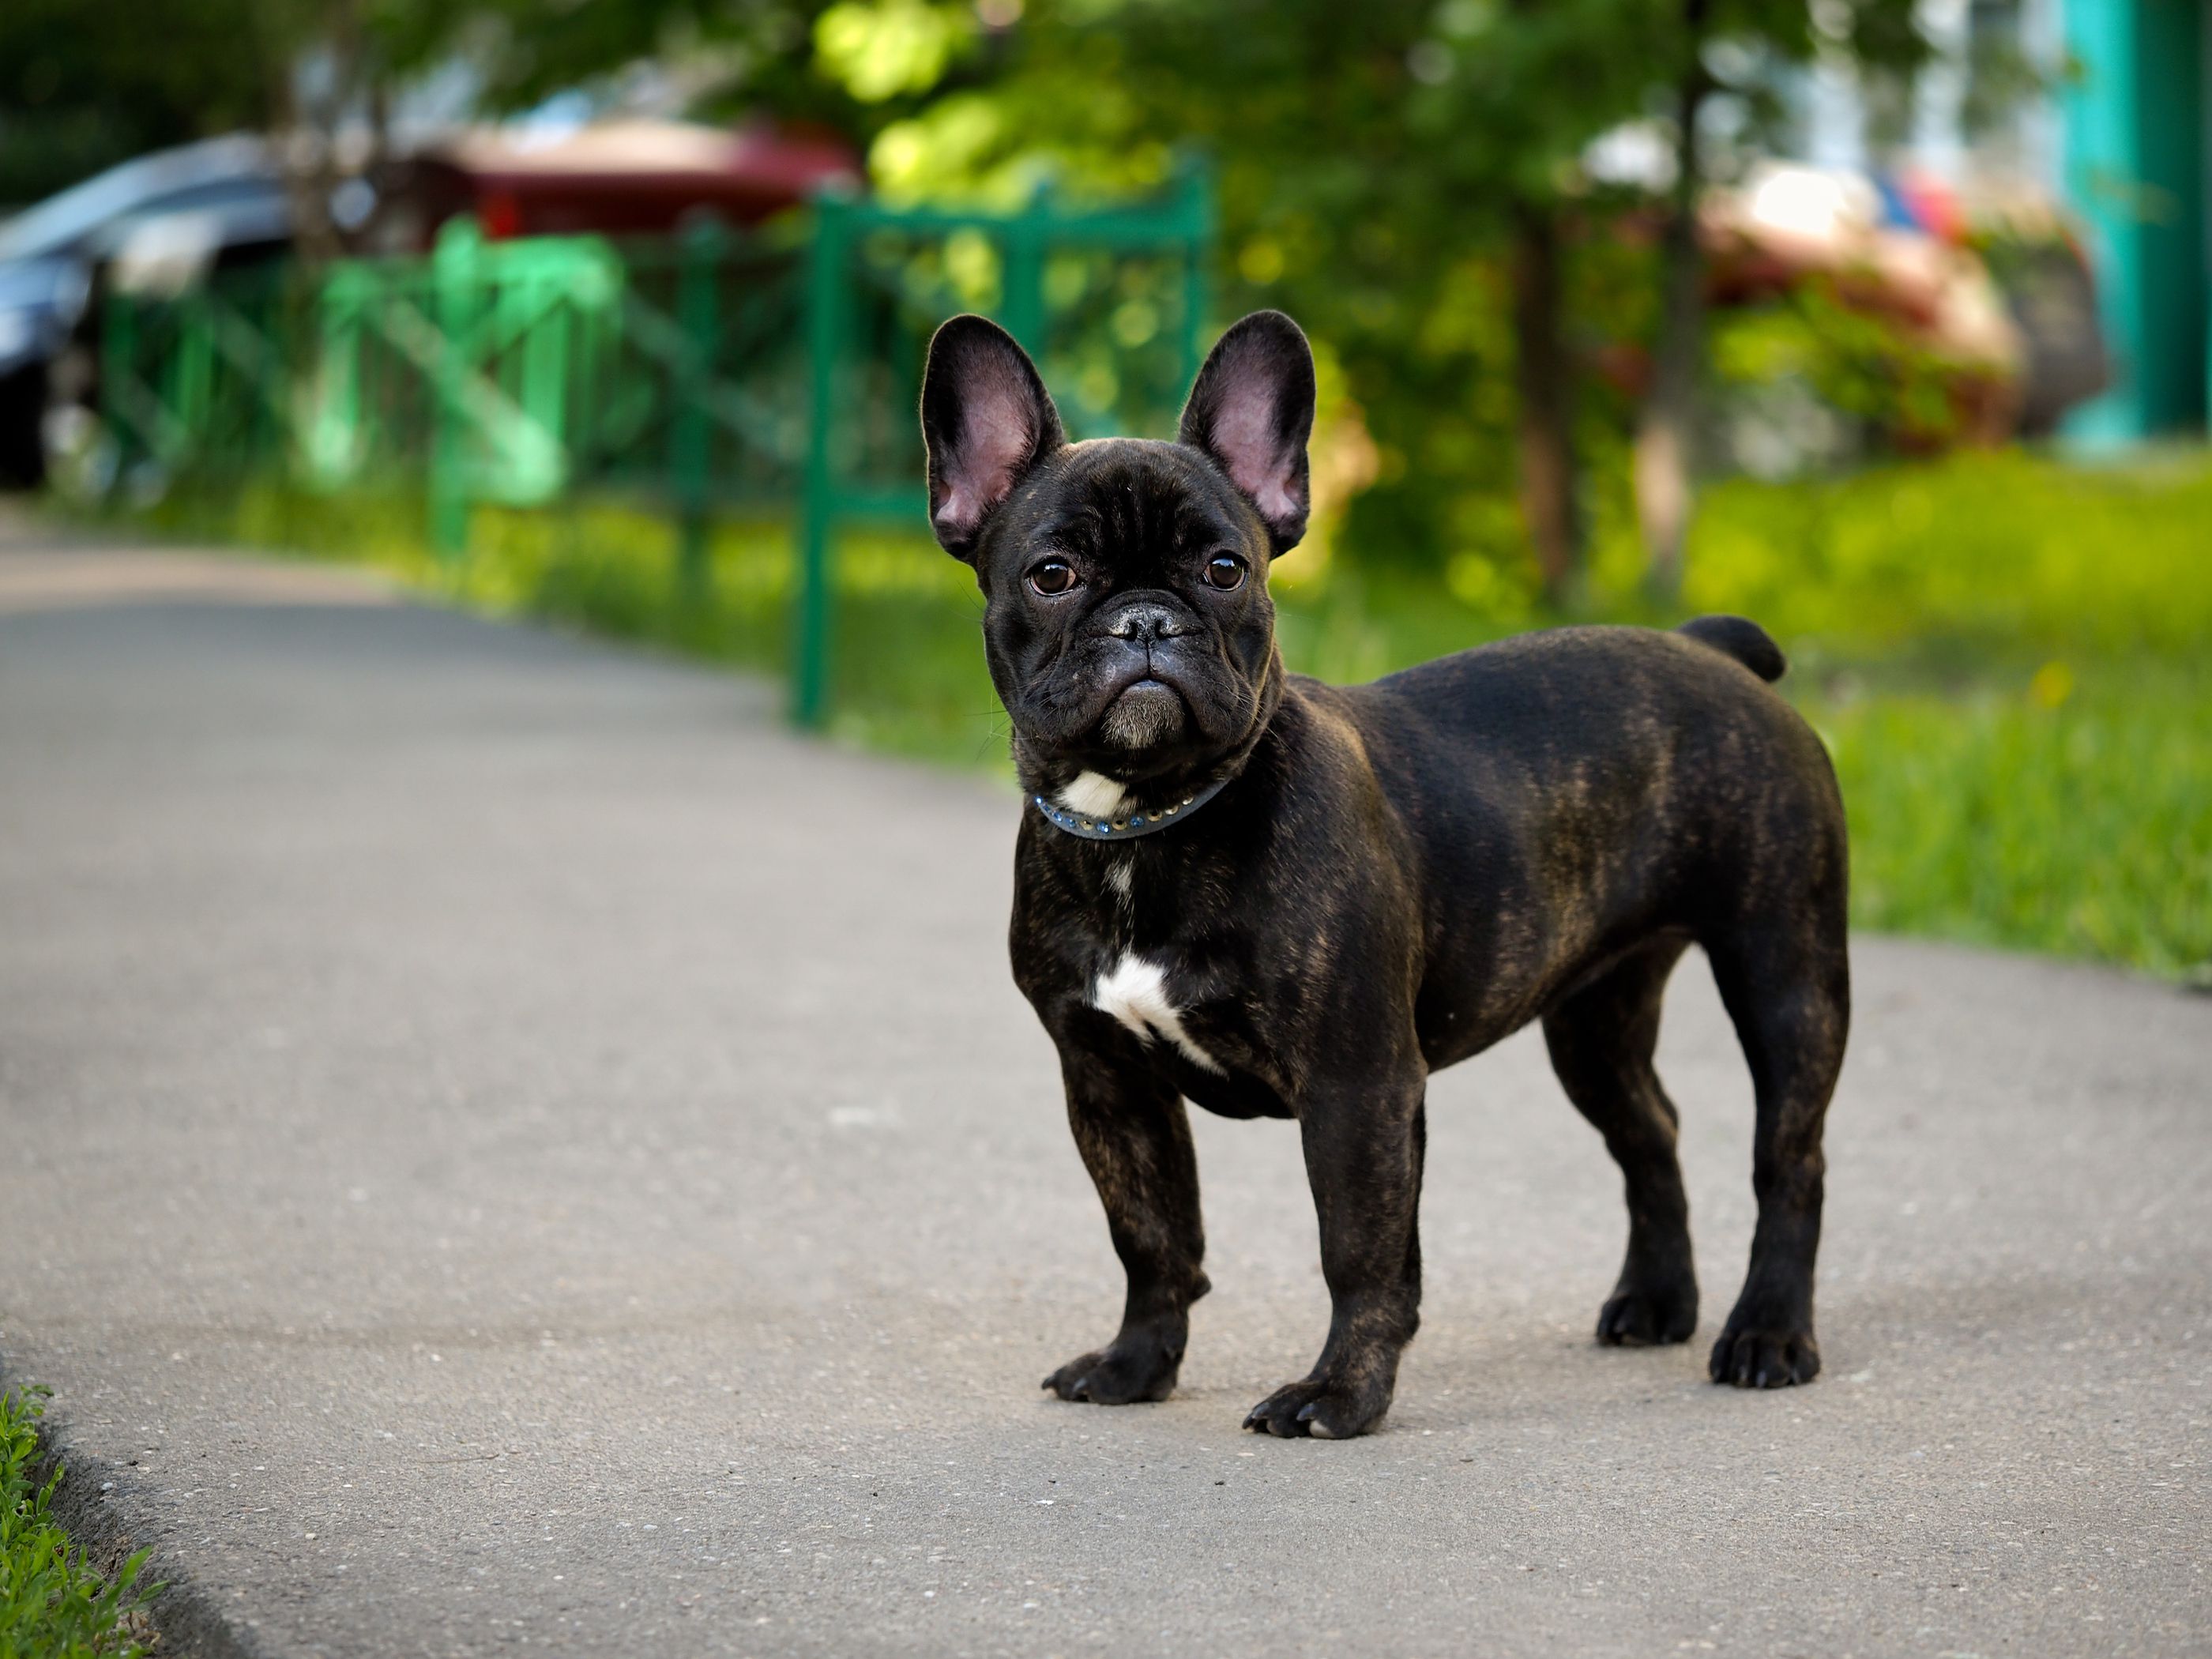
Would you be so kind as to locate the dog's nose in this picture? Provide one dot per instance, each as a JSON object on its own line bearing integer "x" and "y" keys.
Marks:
{"x": 1144, "y": 624}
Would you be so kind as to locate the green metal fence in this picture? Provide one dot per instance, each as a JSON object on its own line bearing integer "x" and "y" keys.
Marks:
{"x": 709, "y": 373}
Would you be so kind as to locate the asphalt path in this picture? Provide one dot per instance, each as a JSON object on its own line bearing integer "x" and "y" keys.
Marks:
{"x": 507, "y": 1149}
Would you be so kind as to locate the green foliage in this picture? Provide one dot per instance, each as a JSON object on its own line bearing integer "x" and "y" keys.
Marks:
{"x": 1857, "y": 363}
{"x": 732, "y": 58}
{"x": 1371, "y": 159}
{"x": 54, "y": 1604}
{"x": 878, "y": 49}
{"x": 87, "y": 83}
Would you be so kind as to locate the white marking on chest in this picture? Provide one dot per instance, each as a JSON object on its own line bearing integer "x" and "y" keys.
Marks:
{"x": 1095, "y": 795}
{"x": 1135, "y": 993}
{"x": 1117, "y": 878}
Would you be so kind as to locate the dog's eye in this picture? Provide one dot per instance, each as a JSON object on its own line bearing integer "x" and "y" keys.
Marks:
{"x": 1224, "y": 571}
{"x": 1051, "y": 577}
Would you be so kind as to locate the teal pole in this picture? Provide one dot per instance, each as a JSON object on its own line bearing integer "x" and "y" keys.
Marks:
{"x": 334, "y": 440}
{"x": 453, "y": 266}
{"x": 699, "y": 266}
{"x": 1021, "y": 303}
{"x": 826, "y": 327}
{"x": 1197, "y": 287}
{"x": 118, "y": 351}
{"x": 2135, "y": 169}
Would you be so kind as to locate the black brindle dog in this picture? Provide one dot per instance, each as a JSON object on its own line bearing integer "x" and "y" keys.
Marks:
{"x": 1280, "y": 898}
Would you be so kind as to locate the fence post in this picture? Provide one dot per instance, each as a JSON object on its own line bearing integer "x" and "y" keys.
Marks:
{"x": 1197, "y": 297}
{"x": 118, "y": 365}
{"x": 549, "y": 276}
{"x": 1021, "y": 300}
{"x": 192, "y": 370}
{"x": 335, "y": 439}
{"x": 698, "y": 268}
{"x": 454, "y": 274}
{"x": 825, "y": 349}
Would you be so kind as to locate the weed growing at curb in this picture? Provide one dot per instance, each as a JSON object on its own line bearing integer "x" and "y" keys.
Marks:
{"x": 54, "y": 1603}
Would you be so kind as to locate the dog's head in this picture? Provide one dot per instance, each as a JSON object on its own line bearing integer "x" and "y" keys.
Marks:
{"x": 1127, "y": 621}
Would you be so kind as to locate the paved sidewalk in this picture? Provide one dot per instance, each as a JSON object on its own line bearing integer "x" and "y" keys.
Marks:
{"x": 506, "y": 1149}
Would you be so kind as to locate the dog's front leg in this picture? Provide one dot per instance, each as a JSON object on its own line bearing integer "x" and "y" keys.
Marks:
{"x": 1364, "y": 1147}
{"x": 1134, "y": 1136}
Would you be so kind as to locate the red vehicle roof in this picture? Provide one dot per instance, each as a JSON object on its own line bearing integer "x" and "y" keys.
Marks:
{"x": 620, "y": 178}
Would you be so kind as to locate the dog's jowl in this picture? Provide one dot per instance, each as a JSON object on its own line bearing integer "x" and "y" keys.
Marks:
{"x": 1278, "y": 898}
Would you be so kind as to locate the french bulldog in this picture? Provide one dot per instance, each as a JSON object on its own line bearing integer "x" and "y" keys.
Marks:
{"x": 1277, "y": 897}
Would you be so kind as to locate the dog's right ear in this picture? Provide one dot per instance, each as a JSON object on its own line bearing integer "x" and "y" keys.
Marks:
{"x": 986, "y": 420}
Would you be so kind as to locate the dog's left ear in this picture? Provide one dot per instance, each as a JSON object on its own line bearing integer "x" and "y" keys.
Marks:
{"x": 1252, "y": 410}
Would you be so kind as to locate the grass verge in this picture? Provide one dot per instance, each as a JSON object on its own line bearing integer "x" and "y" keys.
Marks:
{"x": 2010, "y": 658}
{"x": 54, "y": 1603}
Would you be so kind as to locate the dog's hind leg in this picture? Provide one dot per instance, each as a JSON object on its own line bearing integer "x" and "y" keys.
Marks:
{"x": 1786, "y": 982}
{"x": 1602, "y": 1040}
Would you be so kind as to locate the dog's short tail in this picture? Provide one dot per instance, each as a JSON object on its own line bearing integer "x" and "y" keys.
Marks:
{"x": 1741, "y": 638}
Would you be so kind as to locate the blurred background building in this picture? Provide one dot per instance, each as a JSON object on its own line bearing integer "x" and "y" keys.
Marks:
{"x": 2116, "y": 132}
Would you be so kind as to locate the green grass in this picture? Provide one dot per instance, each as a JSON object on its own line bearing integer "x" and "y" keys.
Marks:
{"x": 54, "y": 1604}
{"x": 2011, "y": 658}
{"x": 1985, "y": 555}
{"x": 2084, "y": 829}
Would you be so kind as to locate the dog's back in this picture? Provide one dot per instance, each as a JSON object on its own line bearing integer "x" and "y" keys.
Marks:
{"x": 1571, "y": 791}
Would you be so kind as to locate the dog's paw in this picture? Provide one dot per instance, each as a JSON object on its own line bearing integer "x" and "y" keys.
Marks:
{"x": 1752, "y": 1356}
{"x": 1120, "y": 1374}
{"x": 1320, "y": 1407}
{"x": 1645, "y": 1316}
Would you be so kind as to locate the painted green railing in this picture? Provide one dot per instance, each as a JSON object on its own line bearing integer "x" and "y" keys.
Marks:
{"x": 709, "y": 373}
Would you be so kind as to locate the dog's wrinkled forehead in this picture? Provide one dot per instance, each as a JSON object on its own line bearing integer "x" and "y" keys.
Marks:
{"x": 1130, "y": 505}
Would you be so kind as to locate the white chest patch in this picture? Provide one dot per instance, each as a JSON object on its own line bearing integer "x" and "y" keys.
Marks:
{"x": 1095, "y": 795}
{"x": 1117, "y": 878}
{"x": 1134, "y": 991}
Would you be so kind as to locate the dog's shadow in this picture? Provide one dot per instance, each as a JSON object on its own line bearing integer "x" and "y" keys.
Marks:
{"x": 1473, "y": 1372}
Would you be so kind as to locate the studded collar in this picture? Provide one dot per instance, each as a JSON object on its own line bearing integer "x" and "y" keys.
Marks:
{"x": 1130, "y": 825}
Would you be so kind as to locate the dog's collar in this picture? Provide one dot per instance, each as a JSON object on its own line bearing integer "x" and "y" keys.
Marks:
{"x": 1130, "y": 825}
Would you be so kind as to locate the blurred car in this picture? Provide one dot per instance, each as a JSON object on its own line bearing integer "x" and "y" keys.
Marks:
{"x": 622, "y": 178}
{"x": 177, "y": 213}
{"x": 1988, "y": 280}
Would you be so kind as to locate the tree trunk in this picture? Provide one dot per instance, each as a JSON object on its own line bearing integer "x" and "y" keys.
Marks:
{"x": 306, "y": 129}
{"x": 1545, "y": 375}
{"x": 1665, "y": 432}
